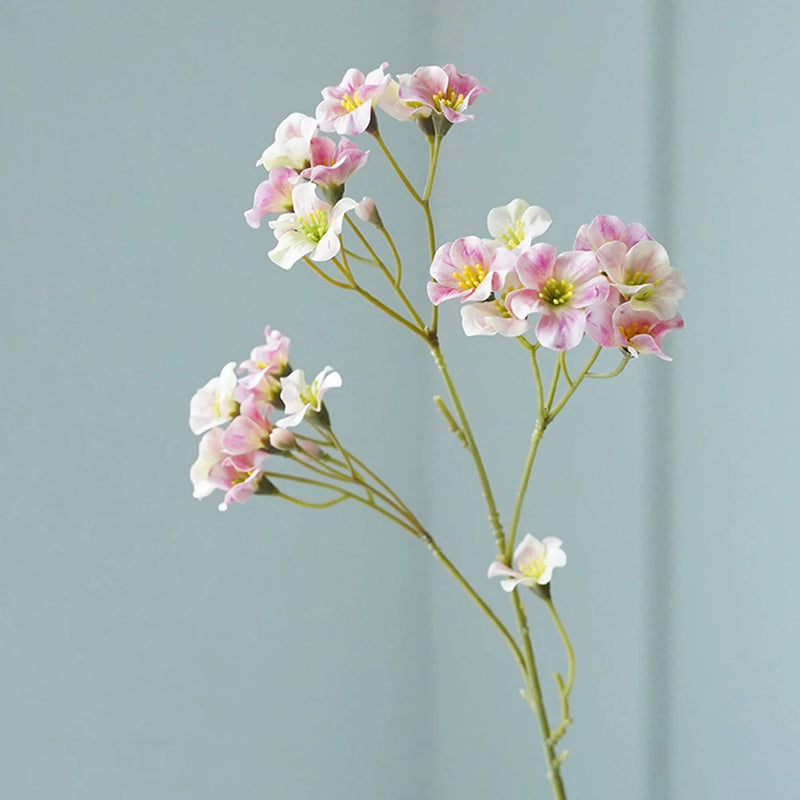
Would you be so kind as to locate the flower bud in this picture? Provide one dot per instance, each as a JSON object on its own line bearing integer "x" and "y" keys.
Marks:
{"x": 367, "y": 211}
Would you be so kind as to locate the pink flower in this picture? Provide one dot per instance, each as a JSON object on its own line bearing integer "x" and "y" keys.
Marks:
{"x": 535, "y": 562}
{"x": 492, "y": 316}
{"x": 559, "y": 288}
{"x": 469, "y": 268}
{"x": 437, "y": 90}
{"x": 215, "y": 403}
{"x": 248, "y": 434}
{"x": 644, "y": 276}
{"x": 332, "y": 165}
{"x": 347, "y": 108}
{"x": 240, "y": 482}
{"x": 517, "y": 224}
{"x": 299, "y": 397}
{"x": 636, "y": 332}
{"x": 312, "y": 230}
{"x": 292, "y": 145}
{"x": 273, "y": 195}
{"x": 606, "y": 228}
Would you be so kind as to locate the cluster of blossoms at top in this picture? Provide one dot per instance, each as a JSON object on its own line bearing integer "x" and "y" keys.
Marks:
{"x": 616, "y": 285}
{"x": 232, "y": 459}
{"x": 300, "y": 160}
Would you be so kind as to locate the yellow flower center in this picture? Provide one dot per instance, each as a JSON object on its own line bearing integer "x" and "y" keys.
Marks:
{"x": 513, "y": 235}
{"x": 314, "y": 226}
{"x": 470, "y": 277}
{"x": 557, "y": 292}
{"x": 533, "y": 569}
{"x": 500, "y": 301}
{"x": 636, "y": 278}
{"x": 447, "y": 98}
{"x": 634, "y": 329}
{"x": 350, "y": 103}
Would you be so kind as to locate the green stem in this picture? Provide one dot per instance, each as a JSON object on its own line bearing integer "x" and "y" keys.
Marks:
{"x": 534, "y": 696}
{"x": 494, "y": 514}
{"x": 333, "y": 281}
{"x": 436, "y": 143}
{"x": 305, "y": 504}
{"x": 384, "y": 269}
{"x": 390, "y": 158}
{"x": 397, "y": 260}
{"x": 613, "y": 373}
{"x": 465, "y": 584}
{"x": 575, "y": 384}
{"x": 564, "y": 689}
{"x": 536, "y": 437}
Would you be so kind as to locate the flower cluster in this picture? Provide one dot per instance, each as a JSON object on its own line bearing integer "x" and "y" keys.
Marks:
{"x": 300, "y": 160}
{"x": 616, "y": 285}
{"x": 232, "y": 459}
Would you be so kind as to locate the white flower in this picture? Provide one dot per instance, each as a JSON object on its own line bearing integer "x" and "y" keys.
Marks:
{"x": 298, "y": 396}
{"x": 311, "y": 230}
{"x": 535, "y": 562}
{"x": 292, "y": 145}
{"x": 516, "y": 224}
{"x": 214, "y": 404}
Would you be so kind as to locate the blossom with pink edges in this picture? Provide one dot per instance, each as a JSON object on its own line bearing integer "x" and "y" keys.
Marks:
{"x": 292, "y": 145}
{"x": 535, "y": 563}
{"x": 469, "y": 268}
{"x": 270, "y": 358}
{"x": 492, "y": 316}
{"x": 559, "y": 287}
{"x": 607, "y": 228}
{"x": 300, "y": 397}
{"x": 215, "y": 403}
{"x": 636, "y": 332}
{"x": 249, "y": 432}
{"x": 311, "y": 230}
{"x": 440, "y": 90}
{"x": 239, "y": 481}
{"x": 644, "y": 276}
{"x": 347, "y": 108}
{"x": 273, "y": 196}
{"x": 515, "y": 225}
{"x": 332, "y": 164}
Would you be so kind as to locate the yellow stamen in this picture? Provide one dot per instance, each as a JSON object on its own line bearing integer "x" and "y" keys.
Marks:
{"x": 350, "y": 103}
{"x": 470, "y": 277}
{"x": 557, "y": 292}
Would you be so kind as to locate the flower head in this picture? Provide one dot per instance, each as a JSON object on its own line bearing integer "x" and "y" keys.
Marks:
{"x": 468, "y": 268}
{"x": 606, "y": 228}
{"x": 644, "y": 276}
{"x": 439, "y": 91}
{"x": 492, "y": 316}
{"x": 292, "y": 145}
{"x": 332, "y": 164}
{"x": 273, "y": 196}
{"x": 347, "y": 108}
{"x": 517, "y": 224}
{"x": 535, "y": 562}
{"x": 215, "y": 403}
{"x": 300, "y": 397}
{"x": 559, "y": 288}
{"x": 311, "y": 230}
{"x": 636, "y": 332}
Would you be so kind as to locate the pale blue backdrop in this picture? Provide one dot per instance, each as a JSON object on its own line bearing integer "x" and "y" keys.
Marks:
{"x": 154, "y": 648}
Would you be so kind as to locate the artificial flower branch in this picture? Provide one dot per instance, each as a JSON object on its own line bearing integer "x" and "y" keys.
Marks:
{"x": 615, "y": 287}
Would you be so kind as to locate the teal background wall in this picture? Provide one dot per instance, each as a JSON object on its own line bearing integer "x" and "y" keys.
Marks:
{"x": 152, "y": 647}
